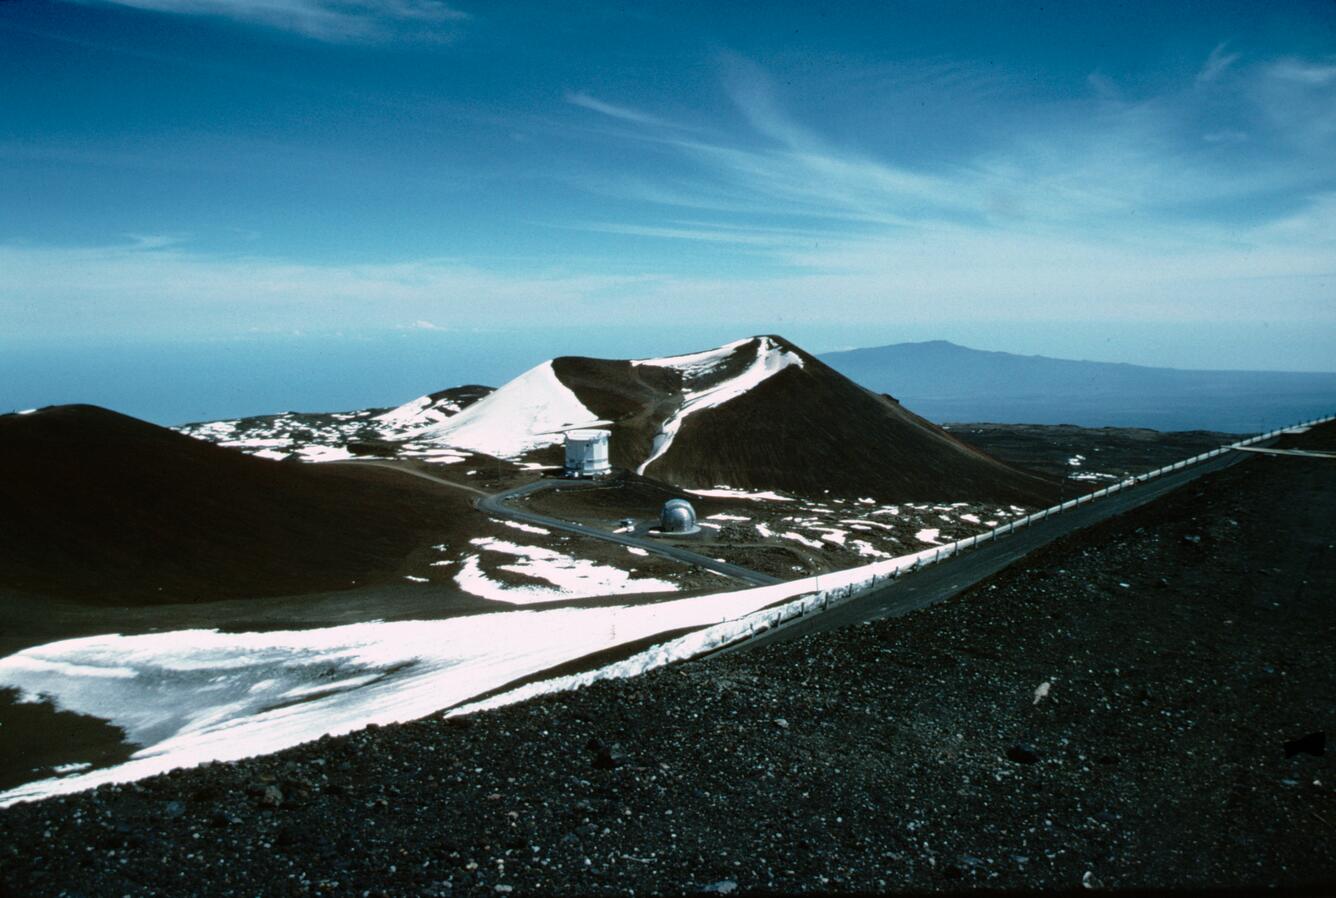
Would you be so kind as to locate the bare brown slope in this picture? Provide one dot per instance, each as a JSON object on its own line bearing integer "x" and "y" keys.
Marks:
{"x": 792, "y": 432}
{"x": 106, "y": 508}
{"x": 636, "y": 398}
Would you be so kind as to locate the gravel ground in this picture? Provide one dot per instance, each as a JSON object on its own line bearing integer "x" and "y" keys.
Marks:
{"x": 1114, "y": 713}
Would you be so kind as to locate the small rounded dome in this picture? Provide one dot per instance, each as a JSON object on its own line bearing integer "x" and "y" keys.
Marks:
{"x": 678, "y": 517}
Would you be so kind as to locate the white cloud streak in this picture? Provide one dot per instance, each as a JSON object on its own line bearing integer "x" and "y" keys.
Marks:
{"x": 1219, "y": 60}
{"x": 612, "y": 110}
{"x": 327, "y": 20}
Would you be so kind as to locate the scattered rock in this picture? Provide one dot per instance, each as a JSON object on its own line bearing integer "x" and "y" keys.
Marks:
{"x": 1312, "y": 744}
{"x": 607, "y": 757}
{"x": 1022, "y": 753}
{"x": 722, "y": 887}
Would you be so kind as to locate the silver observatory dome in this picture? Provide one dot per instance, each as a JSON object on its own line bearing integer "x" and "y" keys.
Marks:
{"x": 678, "y": 517}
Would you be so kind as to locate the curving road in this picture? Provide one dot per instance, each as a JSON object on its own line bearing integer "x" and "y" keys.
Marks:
{"x": 496, "y": 504}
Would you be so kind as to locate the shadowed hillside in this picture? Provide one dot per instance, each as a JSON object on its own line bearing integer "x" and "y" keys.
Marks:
{"x": 762, "y": 413}
{"x": 107, "y": 508}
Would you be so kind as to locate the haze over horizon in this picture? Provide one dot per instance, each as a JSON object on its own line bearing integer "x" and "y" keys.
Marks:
{"x": 1146, "y": 183}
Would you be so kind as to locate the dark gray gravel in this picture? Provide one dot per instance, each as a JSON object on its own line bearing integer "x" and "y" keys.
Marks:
{"x": 1184, "y": 645}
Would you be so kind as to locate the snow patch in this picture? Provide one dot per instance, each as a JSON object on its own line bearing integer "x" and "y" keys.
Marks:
{"x": 532, "y": 411}
{"x": 195, "y": 696}
{"x": 799, "y": 538}
{"x": 324, "y": 453}
{"x": 726, "y": 492}
{"x": 570, "y": 578}
{"x": 527, "y": 528}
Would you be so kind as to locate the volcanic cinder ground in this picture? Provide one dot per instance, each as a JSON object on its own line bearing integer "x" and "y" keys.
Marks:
{"x": 1139, "y": 705}
{"x": 174, "y": 604}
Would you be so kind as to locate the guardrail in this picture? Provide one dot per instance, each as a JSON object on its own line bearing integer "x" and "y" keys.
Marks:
{"x": 855, "y": 582}
{"x": 808, "y": 596}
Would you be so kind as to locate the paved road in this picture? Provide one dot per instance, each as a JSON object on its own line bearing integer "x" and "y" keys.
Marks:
{"x": 498, "y": 505}
{"x": 413, "y": 472}
{"x": 939, "y": 582}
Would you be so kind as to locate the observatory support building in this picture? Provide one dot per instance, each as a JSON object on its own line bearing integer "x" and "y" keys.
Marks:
{"x": 587, "y": 453}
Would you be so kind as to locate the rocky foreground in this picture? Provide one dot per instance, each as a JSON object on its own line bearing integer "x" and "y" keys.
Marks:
{"x": 1143, "y": 705}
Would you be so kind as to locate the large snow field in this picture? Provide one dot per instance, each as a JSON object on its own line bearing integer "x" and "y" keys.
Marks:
{"x": 191, "y": 696}
{"x": 532, "y": 411}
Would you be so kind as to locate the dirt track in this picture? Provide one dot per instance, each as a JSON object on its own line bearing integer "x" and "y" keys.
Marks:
{"x": 1183, "y": 646}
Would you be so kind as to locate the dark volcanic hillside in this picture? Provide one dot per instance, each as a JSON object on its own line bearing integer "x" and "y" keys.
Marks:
{"x": 103, "y": 507}
{"x": 762, "y": 413}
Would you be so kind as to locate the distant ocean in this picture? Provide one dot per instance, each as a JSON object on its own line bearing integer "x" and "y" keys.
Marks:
{"x": 199, "y": 380}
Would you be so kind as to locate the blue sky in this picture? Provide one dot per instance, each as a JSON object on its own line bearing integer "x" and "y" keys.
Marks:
{"x": 1016, "y": 176}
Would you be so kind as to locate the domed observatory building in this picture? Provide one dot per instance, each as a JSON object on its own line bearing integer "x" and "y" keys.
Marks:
{"x": 678, "y": 518}
{"x": 587, "y": 453}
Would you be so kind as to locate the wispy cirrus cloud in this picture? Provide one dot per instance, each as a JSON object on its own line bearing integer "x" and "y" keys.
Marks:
{"x": 1219, "y": 60}
{"x": 612, "y": 110}
{"x": 327, "y": 20}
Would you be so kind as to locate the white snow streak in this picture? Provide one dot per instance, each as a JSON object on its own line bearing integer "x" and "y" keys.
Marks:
{"x": 769, "y": 361}
{"x": 725, "y": 492}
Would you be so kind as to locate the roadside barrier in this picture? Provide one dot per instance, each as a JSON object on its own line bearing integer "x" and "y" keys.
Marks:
{"x": 794, "y": 599}
{"x": 846, "y": 585}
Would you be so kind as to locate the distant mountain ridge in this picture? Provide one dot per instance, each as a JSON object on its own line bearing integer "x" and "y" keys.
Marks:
{"x": 949, "y": 383}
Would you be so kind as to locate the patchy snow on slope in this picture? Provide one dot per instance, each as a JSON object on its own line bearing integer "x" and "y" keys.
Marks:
{"x": 726, "y": 492}
{"x": 258, "y": 443}
{"x": 928, "y": 535}
{"x": 799, "y": 538}
{"x": 526, "y": 528}
{"x": 323, "y": 453}
{"x": 867, "y": 550}
{"x": 532, "y": 411}
{"x": 570, "y": 578}
{"x": 696, "y": 364}
{"x": 727, "y": 517}
{"x": 420, "y": 412}
{"x": 770, "y": 360}
{"x": 834, "y": 536}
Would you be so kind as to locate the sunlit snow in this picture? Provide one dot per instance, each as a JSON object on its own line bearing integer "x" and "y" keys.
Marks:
{"x": 191, "y": 696}
{"x": 770, "y": 360}
{"x": 531, "y": 411}
{"x": 570, "y": 578}
{"x": 725, "y": 492}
